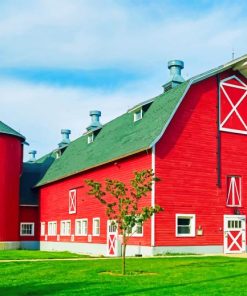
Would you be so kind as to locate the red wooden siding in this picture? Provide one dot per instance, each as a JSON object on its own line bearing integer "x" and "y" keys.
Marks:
{"x": 30, "y": 214}
{"x": 186, "y": 162}
{"x": 54, "y": 199}
{"x": 10, "y": 170}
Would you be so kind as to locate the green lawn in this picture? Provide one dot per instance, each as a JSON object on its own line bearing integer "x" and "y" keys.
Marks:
{"x": 168, "y": 276}
{"x": 23, "y": 254}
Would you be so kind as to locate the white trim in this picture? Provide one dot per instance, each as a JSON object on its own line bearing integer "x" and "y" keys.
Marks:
{"x": 194, "y": 80}
{"x": 52, "y": 228}
{"x": 137, "y": 111}
{"x": 94, "y": 232}
{"x": 65, "y": 228}
{"x": 153, "y": 200}
{"x": 27, "y": 223}
{"x": 72, "y": 201}
{"x": 81, "y": 221}
{"x": 172, "y": 115}
{"x": 233, "y": 105}
{"x": 192, "y": 225}
{"x": 90, "y": 138}
{"x": 42, "y": 228}
{"x": 113, "y": 242}
{"x": 227, "y": 231}
{"x": 231, "y": 190}
{"x": 223, "y": 81}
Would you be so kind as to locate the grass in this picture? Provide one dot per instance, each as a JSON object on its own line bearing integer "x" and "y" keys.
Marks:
{"x": 146, "y": 276}
{"x": 23, "y": 254}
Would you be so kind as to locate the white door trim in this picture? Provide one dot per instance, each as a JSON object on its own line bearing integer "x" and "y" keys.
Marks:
{"x": 112, "y": 239}
{"x": 227, "y": 233}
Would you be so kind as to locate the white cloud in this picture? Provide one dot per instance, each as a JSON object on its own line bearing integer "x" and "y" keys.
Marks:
{"x": 39, "y": 112}
{"x": 94, "y": 34}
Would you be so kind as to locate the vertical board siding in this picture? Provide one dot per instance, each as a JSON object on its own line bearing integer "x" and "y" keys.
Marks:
{"x": 186, "y": 162}
{"x": 30, "y": 214}
{"x": 54, "y": 199}
{"x": 10, "y": 171}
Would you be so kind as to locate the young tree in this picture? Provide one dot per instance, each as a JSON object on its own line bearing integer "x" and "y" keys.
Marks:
{"x": 123, "y": 203}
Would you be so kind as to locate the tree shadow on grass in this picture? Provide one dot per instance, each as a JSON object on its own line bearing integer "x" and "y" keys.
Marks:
{"x": 168, "y": 286}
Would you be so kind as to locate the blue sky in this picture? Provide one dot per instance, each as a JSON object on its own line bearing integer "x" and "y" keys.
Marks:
{"x": 61, "y": 58}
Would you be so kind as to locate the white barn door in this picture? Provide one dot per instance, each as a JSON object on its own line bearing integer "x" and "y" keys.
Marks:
{"x": 112, "y": 243}
{"x": 234, "y": 234}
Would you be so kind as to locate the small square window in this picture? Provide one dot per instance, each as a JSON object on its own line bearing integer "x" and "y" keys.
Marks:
{"x": 185, "y": 225}
{"x": 90, "y": 138}
{"x": 96, "y": 226}
{"x": 27, "y": 229}
{"x": 138, "y": 115}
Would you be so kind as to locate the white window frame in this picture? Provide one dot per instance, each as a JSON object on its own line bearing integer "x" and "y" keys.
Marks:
{"x": 94, "y": 228}
{"x": 134, "y": 233}
{"x": 74, "y": 192}
{"x": 192, "y": 225}
{"x": 138, "y": 114}
{"x": 83, "y": 233}
{"x": 64, "y": 231}
{"x": 52, "y": 228}
{"x": 27, "y": 223}
{"x": 90, "y": 138}
{"x": 42, "y": 228}
{"x": 239, "y": 193}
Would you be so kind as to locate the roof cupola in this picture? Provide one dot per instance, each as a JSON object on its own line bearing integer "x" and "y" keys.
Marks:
{"x": 176, "y": 78}
{"x": 32, "y": 154}
{"x": 95, "y": 122}
{"x": 65, "y": 138}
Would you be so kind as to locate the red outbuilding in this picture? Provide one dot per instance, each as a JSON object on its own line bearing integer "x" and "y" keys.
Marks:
{"x": 193, "y": 136}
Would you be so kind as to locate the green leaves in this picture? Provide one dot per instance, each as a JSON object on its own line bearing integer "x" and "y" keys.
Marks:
{"x": 124, "y": 206}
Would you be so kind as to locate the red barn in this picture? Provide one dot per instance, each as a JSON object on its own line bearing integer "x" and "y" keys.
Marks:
{"x": 193, "y": 136}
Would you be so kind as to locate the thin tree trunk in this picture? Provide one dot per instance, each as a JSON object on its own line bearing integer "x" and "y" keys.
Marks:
{"x": 123, "y": 255}
{"x": 124, "y": 251}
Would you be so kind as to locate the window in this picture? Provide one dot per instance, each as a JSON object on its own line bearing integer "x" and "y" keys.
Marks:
{"x": 27, "y": 229}
{"x": 42, "y": 228}
{"x": 72, "y": 201}
{"x": 81, "y": 227}
{"x": 96, "y": 226}
{"x": 185, "y": 225}
{"x": 65, "y": 227}
{"x": 137, "y": 230}
{"x": 234, "y": 191}
{"x": 90, "y": 138}
{"x": 138, "y": 115}
{"x": 52, "y": 228}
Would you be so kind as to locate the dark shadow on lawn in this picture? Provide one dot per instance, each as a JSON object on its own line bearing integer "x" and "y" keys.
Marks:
{"x": 177, "y": 285}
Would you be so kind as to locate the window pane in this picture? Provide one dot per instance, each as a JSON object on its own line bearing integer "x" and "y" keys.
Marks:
{"x": 183, "y": 221}
{"x": 183, "y": 229}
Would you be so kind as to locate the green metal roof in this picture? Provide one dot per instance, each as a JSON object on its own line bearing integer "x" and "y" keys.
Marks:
{"x": 118, "y": 138}
{"x": 5, "y": 129}
{"x": 122, "y": 136}
{"x": 31, "y": 174}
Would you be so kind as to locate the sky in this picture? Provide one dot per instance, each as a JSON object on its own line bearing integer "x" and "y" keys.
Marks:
{"x": 59, "y": 59}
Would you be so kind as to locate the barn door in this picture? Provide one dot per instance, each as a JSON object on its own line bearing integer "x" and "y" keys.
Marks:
{"x": 234, "y": 234}
{"x": 112, "y": 243}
